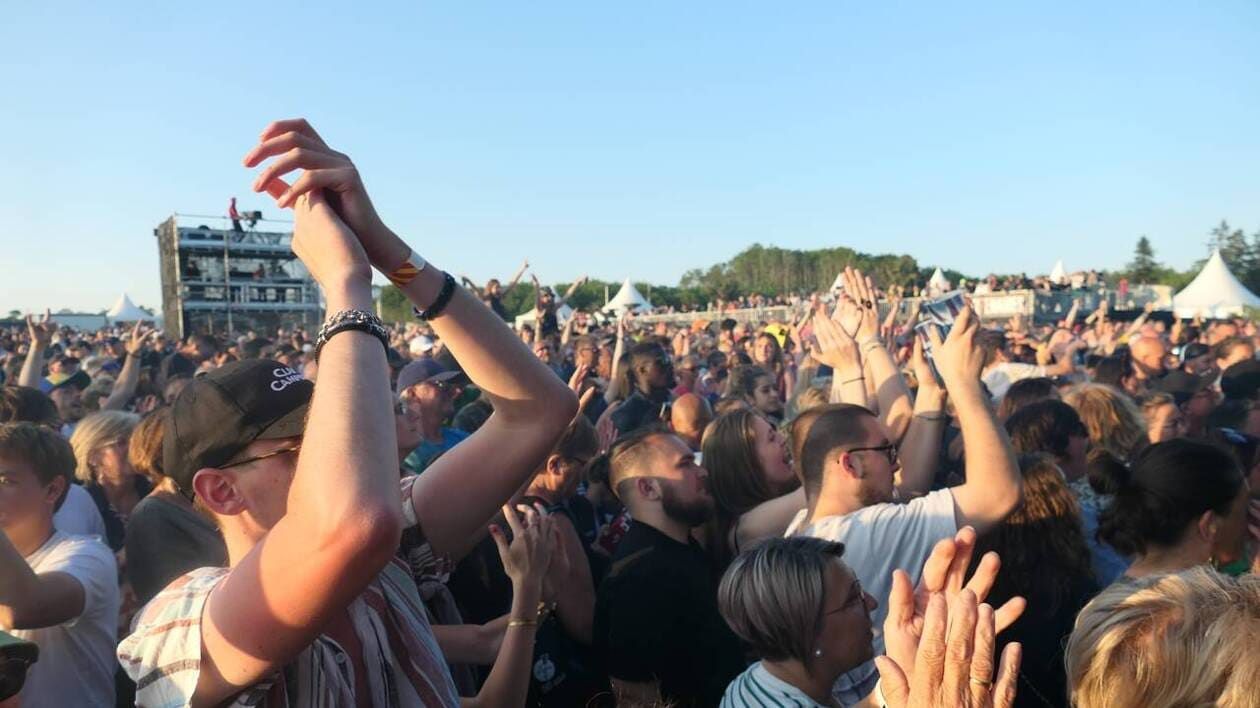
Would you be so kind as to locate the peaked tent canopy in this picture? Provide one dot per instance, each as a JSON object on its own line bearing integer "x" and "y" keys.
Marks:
{"x": 126, "y": 311}
{"x": 839, "y": 282}
{"x": 938, "y": 283}
{"x": 1214, "y": 292}
{"x": 627, "y": 298}
{"x": 1058, "y": 274}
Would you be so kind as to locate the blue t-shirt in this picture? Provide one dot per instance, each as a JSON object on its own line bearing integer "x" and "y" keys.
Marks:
{"x": 420, "y": 458}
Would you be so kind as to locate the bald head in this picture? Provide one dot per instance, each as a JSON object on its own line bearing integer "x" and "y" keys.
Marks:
{"x": 688, "y": 417}
{"x": 1148, "y": 354}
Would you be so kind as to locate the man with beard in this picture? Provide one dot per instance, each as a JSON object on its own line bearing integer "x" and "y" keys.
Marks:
{"x": 848, "y": 462}
{"x": 657, "y": 625}
{"x": 652, "y": 372}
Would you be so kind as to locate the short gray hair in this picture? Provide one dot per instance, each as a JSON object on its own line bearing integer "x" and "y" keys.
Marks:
{"x": 772, "y": 596}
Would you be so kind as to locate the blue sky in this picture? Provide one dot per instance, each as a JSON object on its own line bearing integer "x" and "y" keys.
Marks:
{"x": 636, "y": 139}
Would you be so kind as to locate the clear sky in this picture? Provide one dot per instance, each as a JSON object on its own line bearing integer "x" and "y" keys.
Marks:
{"x": 636, "y": 138}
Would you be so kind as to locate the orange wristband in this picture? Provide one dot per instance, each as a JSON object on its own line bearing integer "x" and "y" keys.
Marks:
{"x": 408, "y": 271}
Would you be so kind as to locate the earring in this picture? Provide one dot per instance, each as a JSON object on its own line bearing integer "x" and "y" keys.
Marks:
{"x": 818, "y": 652}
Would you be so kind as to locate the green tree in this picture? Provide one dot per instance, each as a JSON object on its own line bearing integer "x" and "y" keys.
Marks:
{"x": 1144, "y": 268}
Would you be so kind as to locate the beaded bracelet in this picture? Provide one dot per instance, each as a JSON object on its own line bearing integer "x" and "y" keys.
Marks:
{"x": 347, "y": 320}
{"x": 439, "y": 304}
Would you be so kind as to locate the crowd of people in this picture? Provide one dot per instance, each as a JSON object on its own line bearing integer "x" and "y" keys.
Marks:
{"x": 844, "y": 509}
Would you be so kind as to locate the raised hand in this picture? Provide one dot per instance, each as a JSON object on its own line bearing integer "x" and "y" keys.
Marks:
{"x": 862, "y": 289}
{"x": 944, "y": 576}
{"x": 923, "y": 373}
{"x": 296, "y": 145}
{"x": 527, "y": 556}
{"x": 326, "y": 245}
{"x": 848, "y": 313}
{"x": 41, "y": 331}
{"x": 836, "y": 348}
{"x": 953, "y": 664}
{"x": 579, "y": 375}
{"x": 959, "y": 358}
{"x": 135, "y": 343}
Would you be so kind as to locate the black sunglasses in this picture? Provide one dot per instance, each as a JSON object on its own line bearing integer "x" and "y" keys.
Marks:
{"x": 889, "y": 450}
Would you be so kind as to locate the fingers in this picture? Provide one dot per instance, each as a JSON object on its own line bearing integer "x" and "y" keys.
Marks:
{"x": 900, "y": 600}
{"x": 982, "y": 657}
{"x": 297, "y": 125}
{"x": 513, "y": 521}
{"x": 1009, "y": 612}
{"x": 960, "y": 646}
{"x": 929, "y": 661}
{"x": 587, "y": 397}
{"x": 497, "y": 534}
{"x": 295, "y": 159}
{"x": 1008, "y": 674}
{"x": 986, "y": 574}
{"x": 893, "y": 682}
{"x": 936, "y": 569}
{"x": 964, "y": 543}
{"x": 282, "y": 143}
{"x": 312, "y": 180}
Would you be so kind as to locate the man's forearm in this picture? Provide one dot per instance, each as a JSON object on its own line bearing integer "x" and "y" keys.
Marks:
{"x": 922, "y": 442}
{"x": 125, "y": 386}
{"x": 348, "y": 467}
{"x": 989, "y": 458}
{"x": 33, "y": 367}
{"x": 890, "y": 388}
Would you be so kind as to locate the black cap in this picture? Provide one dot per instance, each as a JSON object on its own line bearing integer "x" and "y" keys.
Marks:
{"x": 1241, "y": 381}
{"x": 1180, "y": 385}
{"x": 219, "y": 414}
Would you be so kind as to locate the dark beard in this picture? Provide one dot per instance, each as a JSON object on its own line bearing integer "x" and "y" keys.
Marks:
{"x": 692, "y": 514}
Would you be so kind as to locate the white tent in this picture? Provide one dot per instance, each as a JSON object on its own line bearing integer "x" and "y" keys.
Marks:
{"x": 1058, "y": 274}
{"x": 627, "y": 298}
{"x": 1214, "y": 292}
{"x": 126, "y": 311}
{"x": 938, "y": 283}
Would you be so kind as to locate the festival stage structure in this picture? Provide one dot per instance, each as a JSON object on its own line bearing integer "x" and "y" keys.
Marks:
{"x": 223, "y": 277}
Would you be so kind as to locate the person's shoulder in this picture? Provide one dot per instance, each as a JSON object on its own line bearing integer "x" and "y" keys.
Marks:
{"x": 936, "y": 503}
{"x": 66, "y": 548}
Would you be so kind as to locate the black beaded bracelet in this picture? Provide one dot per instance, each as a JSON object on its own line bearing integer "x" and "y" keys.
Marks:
{"x": 347, "y": 320}
{"x": 440, "y": 303}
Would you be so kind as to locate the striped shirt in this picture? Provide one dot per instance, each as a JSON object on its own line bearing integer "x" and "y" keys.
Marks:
{"x": 403, "y": 664}
{"x": 757, "y": 687}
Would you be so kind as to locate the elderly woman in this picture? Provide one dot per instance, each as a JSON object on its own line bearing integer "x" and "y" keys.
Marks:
{"x": 800, "y": 608}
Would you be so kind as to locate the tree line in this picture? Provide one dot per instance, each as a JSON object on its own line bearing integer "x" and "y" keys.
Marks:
{"x": 772, "y": 271}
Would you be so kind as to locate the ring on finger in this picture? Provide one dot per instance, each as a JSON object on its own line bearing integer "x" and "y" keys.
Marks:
{"x": 980, "y": 682}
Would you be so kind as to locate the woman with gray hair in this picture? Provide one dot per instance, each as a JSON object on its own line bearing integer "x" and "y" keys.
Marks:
{"x": 800, "y": 608}
{"x": 803, "y": 612}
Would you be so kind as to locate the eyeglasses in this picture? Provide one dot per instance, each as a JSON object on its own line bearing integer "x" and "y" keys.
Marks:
{"x": 889, "y": 450}
{"x": 857, "y": 596}
{"x": 273, "y": 453}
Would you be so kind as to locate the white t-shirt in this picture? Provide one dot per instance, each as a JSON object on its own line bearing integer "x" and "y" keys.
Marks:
{"x": 878, "y": 540}
{"x": 76, "y": 659}
{"x": 78, "y": 515}
{"x": 1003, "y": 374}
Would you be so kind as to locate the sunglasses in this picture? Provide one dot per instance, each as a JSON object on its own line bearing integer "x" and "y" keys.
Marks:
{"x": 889, "y": 450}
{"x": 256, "y": 458}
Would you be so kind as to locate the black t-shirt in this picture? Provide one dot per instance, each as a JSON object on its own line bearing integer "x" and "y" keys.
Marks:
{"x": 636, "y": 412}
{"x": 656, "y": 619}
{"x": 496, "y": 304}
